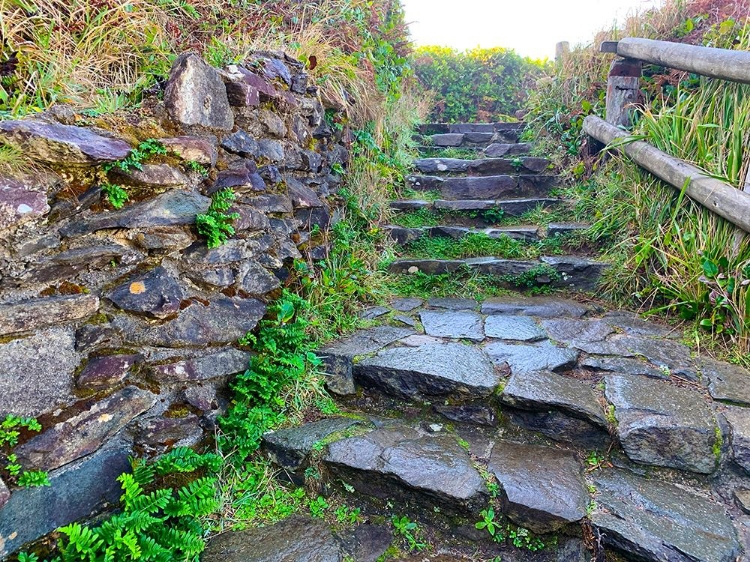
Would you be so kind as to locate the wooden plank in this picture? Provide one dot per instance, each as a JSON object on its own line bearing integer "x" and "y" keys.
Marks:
{"x": 724, "y": 64}
{"x": 623, "y": 91}
{"x": 721, "y": 198}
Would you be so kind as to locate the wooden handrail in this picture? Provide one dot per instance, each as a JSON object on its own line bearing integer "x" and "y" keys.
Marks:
{"x": 720, "y": 197}
{"x": 724, "y": 64}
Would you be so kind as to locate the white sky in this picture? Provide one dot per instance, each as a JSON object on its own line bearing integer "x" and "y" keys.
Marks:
{"x": 531, "y": 27}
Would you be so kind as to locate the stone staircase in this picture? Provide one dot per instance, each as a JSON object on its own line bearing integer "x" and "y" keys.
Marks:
{"x": 593, "y": 433}
{"x": 471, "y": 195}
{"x": 573, "y": 433}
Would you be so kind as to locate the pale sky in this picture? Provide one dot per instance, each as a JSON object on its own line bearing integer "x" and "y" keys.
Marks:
{"x": 531, "y": 27}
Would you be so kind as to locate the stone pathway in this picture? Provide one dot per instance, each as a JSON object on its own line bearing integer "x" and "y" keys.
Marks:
{"x": 595, "y": 430}
{"x": 577, "y": 419}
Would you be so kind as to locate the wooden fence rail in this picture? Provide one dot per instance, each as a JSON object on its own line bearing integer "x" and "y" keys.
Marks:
{"x": 623, "y": 92}
{"x": 717, "y": 196}
{"x": 724, "y": 64}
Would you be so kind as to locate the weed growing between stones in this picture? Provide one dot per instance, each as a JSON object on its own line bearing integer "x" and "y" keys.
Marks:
{"x": 409, "y": 531}
{"x": 216, "y": 223}
{"x": 116, "y": 195}
{"x": 10, "y": 433}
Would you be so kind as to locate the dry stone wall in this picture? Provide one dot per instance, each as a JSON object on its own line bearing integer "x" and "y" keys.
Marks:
{"x": 119, "y": 328}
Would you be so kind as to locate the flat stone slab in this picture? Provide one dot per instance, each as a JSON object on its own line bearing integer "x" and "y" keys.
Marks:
{"x": 174, "y": 207}
{"x": 86, "y": 432}
{"x": 456, "y": 325}
{"x": 514, "y": 328}
{"x": 726, "y": 382}
{"x": 62, "y": 144}
{"x": 44, "y": 362}
{"x": 297, "y": 539}
{"x": 20, "y": 202}
{"x": 498, "y": 150}
{"x": 40, "y": 313}
{"x": 655, "y": 521}
{"x": 542, "y": 488}
{"x": 542, "y": 390}
{"x": 662, "y": 424}
{"x": 633, "y": 325}
{"x": 75, "y": 492}
{"x": 221, "y": 320}
{"x": 525, "y": 358}
{"x": 485, "y": 187}
{"x": 543, "y": 307}
{"x": 430, "y": 370}
{"x": 622, "y": 366}
{"x": 290, "y": 447}
{"x": 156, "y": 293}
{"x": 399, "y": 458}
{"x": 449, "y": 303}
{"x": 365, "y": 342}
{"x": 572, "y": 331}
{"x": 739, "y": 422}
{"x": 406, "y": 304}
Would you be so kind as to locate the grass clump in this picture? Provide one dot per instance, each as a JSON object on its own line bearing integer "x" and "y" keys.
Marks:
{"x": 668, "y": 254}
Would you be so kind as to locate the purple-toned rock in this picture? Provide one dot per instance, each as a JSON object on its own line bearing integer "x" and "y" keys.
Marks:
{"x": 221, "y": 364}
{"x": 242, "y": 179}
{"x": 158, "y": 435}
{"x": 19, "y": 204}
{"x": 156, "y": 175}
{"x": 201, "y": 397}
{"x": 241, "y": 94}
{"x": 192, "y": 149}
{"x": 302, "y": 196}
{"x": 38, "y": 313}
{"x": 256, "y": 280}
{"x": 240, "y": 143}
{"x": 103, "y": 372}
{"x": 165, "y": 238}
{"x": 84, "y": 433}
{"x": 156, "y": 294}
{"x": 62, "y": 144}
{"x": 196, "y": 95}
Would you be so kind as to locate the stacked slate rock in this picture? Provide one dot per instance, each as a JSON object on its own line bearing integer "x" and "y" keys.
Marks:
{"x": 119, "y": 328}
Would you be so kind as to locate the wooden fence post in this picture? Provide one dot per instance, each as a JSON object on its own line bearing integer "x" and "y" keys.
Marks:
{"x": 623, "y": 91}
{"x": 561, "y": 51}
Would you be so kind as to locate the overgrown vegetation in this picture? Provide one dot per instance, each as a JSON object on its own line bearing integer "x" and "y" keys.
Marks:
{"x": 670, "y": 255}
{"x": 477, "y": 84}
{"x": 115, "y": 194}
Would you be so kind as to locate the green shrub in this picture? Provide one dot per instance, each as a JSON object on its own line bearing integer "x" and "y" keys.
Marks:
{"x": 475, "y": 85}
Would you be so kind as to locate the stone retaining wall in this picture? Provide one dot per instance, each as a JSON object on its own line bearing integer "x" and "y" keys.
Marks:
{"x": 119, "y": 328}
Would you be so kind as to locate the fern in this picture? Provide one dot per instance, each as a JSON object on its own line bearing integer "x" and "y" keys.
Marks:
{"x": 160, "y": 525}
{"x": 216, "y": 223}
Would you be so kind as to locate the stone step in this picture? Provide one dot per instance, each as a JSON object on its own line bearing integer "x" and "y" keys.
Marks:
{"x": 477, "y": 139}
{"x": 484, "y": 187}
{"x": 403, "y": 235}
{"x": 441, "y": 128}
{"x": 482, "y": 166}
{"x": 512, "y": 207}
{"x": 498, "y": 149}
{"x": 572, "y": 272}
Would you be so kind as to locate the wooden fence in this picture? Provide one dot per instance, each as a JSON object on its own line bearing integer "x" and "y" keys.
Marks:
{"x": 623, "y": 91}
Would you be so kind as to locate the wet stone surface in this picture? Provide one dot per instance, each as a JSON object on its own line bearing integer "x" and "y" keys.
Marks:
{"x": 656, "y": 521}
{"x": 661, "y": 424}
{"x": 542, "y": 488}
{"x": 450, "y": 369}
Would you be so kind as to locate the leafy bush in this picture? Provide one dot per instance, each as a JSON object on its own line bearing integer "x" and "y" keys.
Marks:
{"x": 475, "y": 85}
